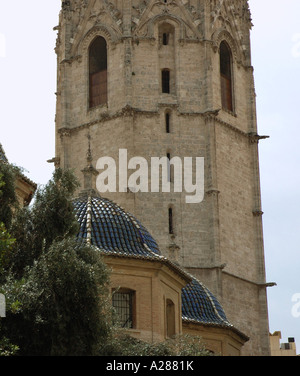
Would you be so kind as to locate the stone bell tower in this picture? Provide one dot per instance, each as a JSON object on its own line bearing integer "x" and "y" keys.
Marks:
{"x": 166, "y": 78}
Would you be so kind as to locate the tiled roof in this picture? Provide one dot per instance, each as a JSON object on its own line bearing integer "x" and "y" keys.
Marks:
{"x": 112, "y": 229}
{"x": 118, "y": 233}
{"x": 200, "y": 305}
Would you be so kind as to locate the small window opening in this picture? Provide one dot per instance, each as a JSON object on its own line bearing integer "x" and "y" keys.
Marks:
{"x": 167, "y": 119}
{"x": 169, "y": 167}
{"x": 123, "y": 304}
{"x": 165, "y": 39}
{"x": 171, "y": 227}
{"x": 166, "y": 34}
{"x": 165, "y": 78}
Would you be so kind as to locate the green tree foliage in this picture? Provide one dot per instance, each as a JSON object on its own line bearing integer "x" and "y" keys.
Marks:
{"x": 7, "y": 203}
{"x": 121, "y": 344}
{"x": 50, "y": 218}
{"x": 57, "y": 286}
{"x": 8, "y": 198}
{"x": 64, "y": 303}
{"x": 6, "y": 243}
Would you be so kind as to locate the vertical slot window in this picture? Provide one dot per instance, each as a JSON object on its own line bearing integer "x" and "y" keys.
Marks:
{"x": 165, "y": 39}
{"x": 167, "y": 122}
{"x": 165, "y": 81}
{"x": 171, "y": 219}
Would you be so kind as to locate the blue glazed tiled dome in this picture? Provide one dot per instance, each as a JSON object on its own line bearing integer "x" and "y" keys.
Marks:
{"x": 116, "y": 232}
{"x": 112, "y": 229}
{"x": 199, "y": 305}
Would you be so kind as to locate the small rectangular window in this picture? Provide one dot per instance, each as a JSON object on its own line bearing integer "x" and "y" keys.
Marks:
{"x": 123, "y": 305}
{"x": 165, "y": 78}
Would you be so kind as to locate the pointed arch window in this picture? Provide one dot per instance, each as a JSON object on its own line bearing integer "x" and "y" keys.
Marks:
{"x": 98, "y": 72}
{"x": 226, "y": 77}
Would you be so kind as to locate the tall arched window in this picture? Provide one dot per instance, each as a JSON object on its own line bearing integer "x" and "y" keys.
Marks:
{"x": 226, "y": 76}
{"x": 98, "y": 72}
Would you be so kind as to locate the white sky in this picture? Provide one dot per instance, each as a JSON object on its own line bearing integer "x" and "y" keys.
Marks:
{"x": 27, "y": 111}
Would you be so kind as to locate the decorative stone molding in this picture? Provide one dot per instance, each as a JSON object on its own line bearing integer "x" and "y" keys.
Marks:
{"x": 223, "y": 35}
{"x": 104, "y": 31}
{"x": 172, "y": 11}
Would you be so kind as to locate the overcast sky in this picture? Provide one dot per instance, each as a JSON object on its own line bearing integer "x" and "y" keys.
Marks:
{"x": 27, "y": 111}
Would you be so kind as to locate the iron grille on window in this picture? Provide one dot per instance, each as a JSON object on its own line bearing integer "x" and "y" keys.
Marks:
{"x": 123, "y": 305}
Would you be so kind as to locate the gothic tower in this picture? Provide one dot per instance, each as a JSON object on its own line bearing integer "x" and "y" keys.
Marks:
{"x": 166, "y": 78}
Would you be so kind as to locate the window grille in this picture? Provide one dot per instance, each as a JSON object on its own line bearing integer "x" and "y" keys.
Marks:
{"x": 123, "y": 305}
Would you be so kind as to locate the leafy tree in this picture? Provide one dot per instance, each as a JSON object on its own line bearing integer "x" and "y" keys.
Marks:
{"x": 8, "y": 197}
{"x": 121, "y": 344}
{"x": 8, "y": 201}
{"x": 64, "y": 303}
{"x": 6, "y": 243}
{"x": 58, "y": 285}
{"x": 50, "y": 218}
